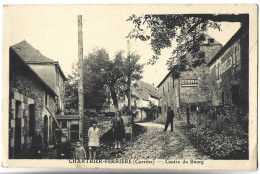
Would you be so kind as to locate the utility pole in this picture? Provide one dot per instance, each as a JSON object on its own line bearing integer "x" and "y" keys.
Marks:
{"x": 80, "y": 86}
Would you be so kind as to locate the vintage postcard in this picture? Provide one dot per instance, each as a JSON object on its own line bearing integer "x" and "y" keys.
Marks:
{"x": 130, "y": 86}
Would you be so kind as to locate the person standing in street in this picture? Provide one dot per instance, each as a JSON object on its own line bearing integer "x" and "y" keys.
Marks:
{"x": 170, "y": 116}
{"x": 118, "y": 129}
{"x": 79, "y": 152}
{"x": 94, "y": 140}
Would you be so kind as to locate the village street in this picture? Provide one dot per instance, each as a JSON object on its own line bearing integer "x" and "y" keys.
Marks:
{"x": 154, "y": 143}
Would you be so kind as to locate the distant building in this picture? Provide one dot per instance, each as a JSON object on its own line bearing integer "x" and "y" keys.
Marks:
{"x": 144, "y": 100}
{"x": 229, "y": 71}
{"x": 32, "y": 105}
{"x": 192, "y": 89}
{"x": 46, "y": 68}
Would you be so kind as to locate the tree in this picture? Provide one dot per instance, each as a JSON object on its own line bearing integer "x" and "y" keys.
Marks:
{"x": 116, "y": 75}
{"x": 187, "y": 31}
{"x": 103, "y": 78}
{"x": 71, "y": 92}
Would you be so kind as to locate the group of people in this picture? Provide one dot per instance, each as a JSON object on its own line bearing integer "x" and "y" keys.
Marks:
{"x": 120, "y": 129}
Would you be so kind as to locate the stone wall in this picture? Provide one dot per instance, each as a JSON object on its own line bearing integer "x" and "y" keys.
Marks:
{"x": 234, "y": 75}
{"x": 25, "y": 90}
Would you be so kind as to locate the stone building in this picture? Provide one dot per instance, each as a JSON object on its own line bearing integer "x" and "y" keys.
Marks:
{"x": 32, "y": 105}
{"x": 144, "y": 100}
{"x": 192, "y": 89}
{"x": 47, "y": 69}
{"x": 229, "y": 71}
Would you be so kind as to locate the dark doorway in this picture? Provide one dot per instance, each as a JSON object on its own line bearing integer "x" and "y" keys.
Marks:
{"x": 45, "y": 131}
{"x": 31, "y": 119}
{"x": 235, "y": 94}
{"x": 18, "y": 135}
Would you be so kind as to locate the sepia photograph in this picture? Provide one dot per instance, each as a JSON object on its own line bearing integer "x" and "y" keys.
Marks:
{"x": 130, "y": 86}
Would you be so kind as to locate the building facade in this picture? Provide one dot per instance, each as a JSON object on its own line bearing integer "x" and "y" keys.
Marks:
{"x": 186, "y": 94}
{"x": 47, "y": 69}
{"x": 229, "y": 71}
{"x": 32, "y": 105}
{"x": 144, "y": 101}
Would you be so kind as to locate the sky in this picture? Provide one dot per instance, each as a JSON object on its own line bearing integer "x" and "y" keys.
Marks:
{"x": 53, "y": 30}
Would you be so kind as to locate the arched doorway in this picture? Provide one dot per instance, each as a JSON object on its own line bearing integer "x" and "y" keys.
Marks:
{"x": 45, "y": 131}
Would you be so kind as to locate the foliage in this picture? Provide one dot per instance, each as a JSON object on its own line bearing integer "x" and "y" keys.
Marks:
{"x": 103, "y": 79}
{"x": 71, "y": 92}
{"x": 186, "y": 31}
{"x": 219, "y": 146}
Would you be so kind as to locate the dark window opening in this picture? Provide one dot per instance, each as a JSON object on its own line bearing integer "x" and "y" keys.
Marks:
{"x": 18, "y": 129}
{"x": 46, "y": 99}
{"x": 163, "y": 90}
{"x": 64, "y": 124}
{"x": 31, "y": 120}
{"x": 235, "y": 94}
{"x": 74, "y": 127}
{"x": 210, "y": 41}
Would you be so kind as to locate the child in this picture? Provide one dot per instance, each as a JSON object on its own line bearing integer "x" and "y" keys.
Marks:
{"x": 93, "y": 137}
{"x": 79, "y": 152}
{"x": 63, "y": 148}
{"x": 128, "y": 133}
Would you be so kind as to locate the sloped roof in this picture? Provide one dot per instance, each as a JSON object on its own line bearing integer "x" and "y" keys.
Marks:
{"x": 30, "y": 54}
{"x": 238, "y": 34}
{"x": 33, "y": 56}
{"x": 18, "y": 62}
{"x": 144, "y": 90}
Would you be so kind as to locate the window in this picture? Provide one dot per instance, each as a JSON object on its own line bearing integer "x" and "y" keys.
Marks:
{"x": 235, "y": 94}
{"x": 218, "y": 71}
{"x": 168, "y": 87}
{"x": 31, "y": 119}
{"x": 74, "y": 127}
{"x": 210, "y": 41}
{"x": 64, "y": 124}
{"x": 58, "y": 77}
{"x": 172, "y": 83}
{"x": 237, "y": 56}
{"x": 46, "y": 98}
{"x": 163, "y": 90}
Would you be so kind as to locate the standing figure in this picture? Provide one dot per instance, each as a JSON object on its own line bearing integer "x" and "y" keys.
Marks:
{"x": 170, "y": 116}
{"x": 63, "y": 148}
{"x": 128, "y": 133}
{"x": 118, "y": 129}
{"x": 93, "y": 140}
{"x": 36, "y": 148}
{"x": 79, "y": 152}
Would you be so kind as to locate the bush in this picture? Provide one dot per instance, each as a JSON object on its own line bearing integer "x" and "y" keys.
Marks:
{"x": 219, "y": 146}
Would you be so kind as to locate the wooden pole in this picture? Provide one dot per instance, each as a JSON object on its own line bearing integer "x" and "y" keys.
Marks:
{"x": 80, "y": 87}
